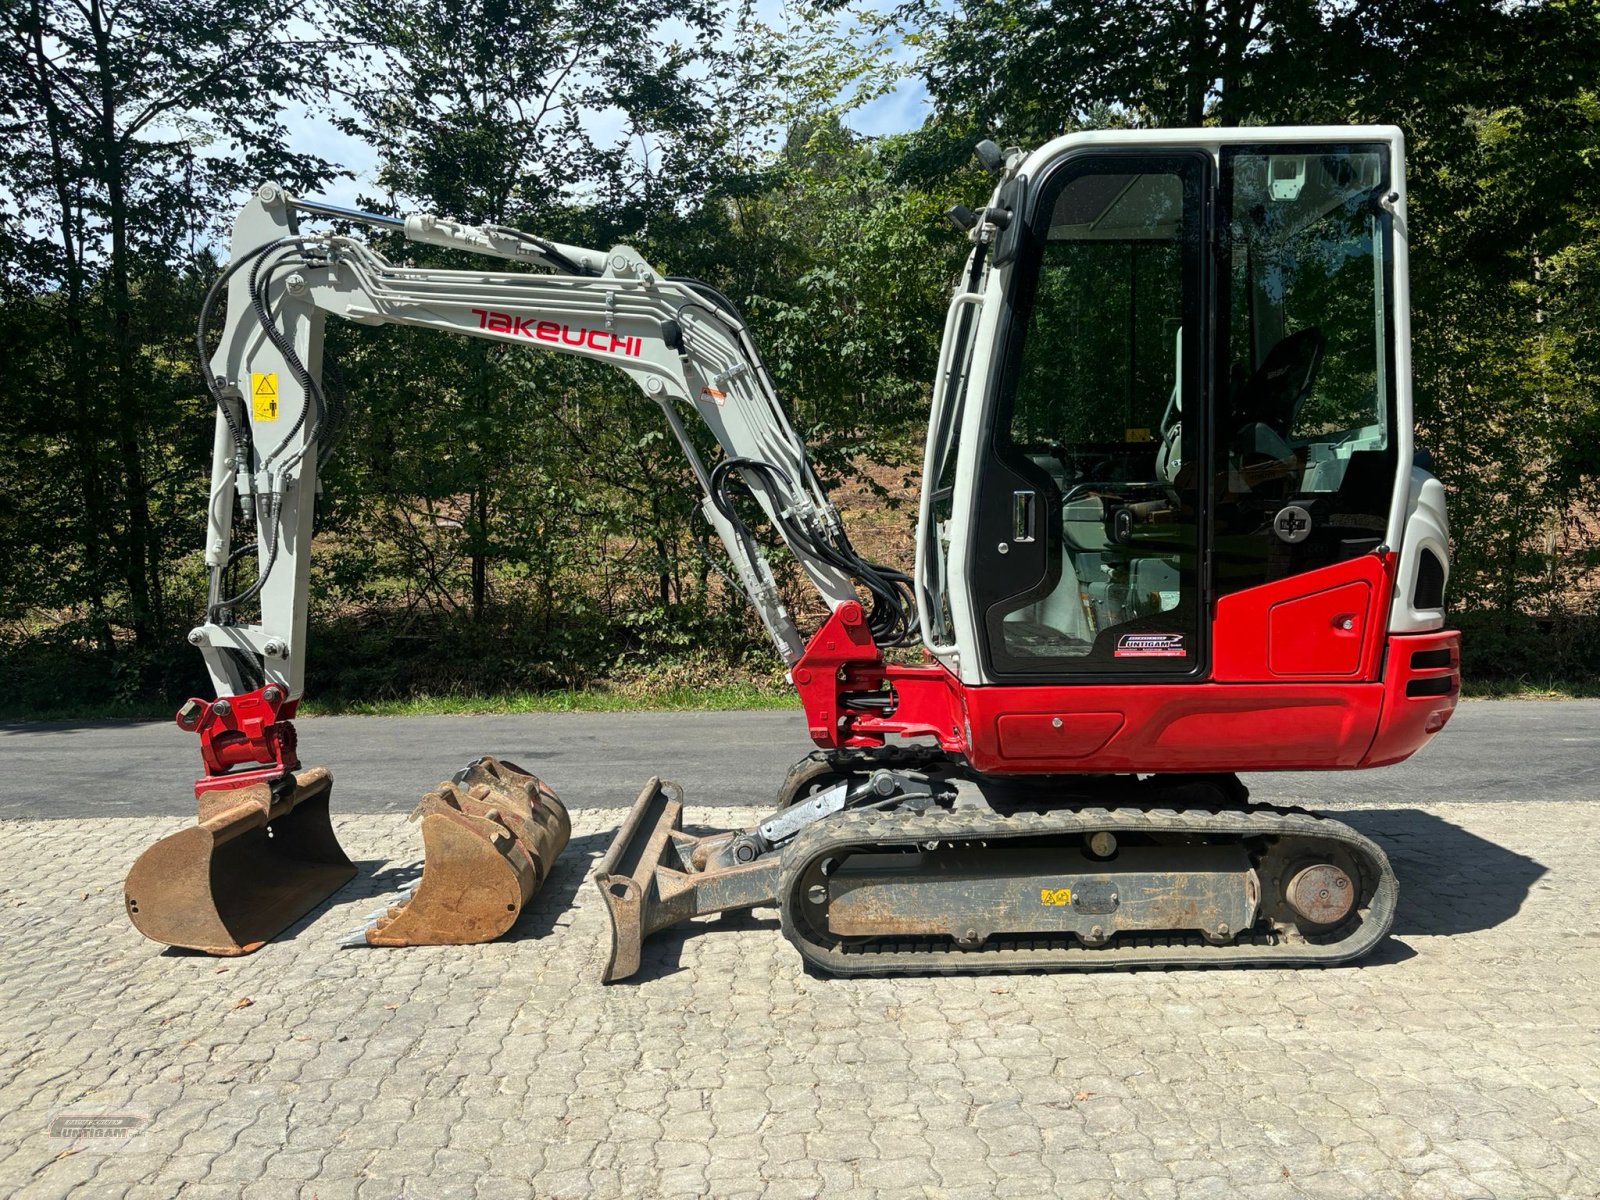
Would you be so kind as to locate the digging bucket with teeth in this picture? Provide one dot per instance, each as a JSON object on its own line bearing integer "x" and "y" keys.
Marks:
{"x": 490, "y": 837}
{"x": 259, "y": 859}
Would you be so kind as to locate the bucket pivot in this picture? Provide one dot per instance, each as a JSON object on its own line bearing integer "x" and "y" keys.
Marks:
{"x": 260, "y": 858}
{"x": 489, "y": 837}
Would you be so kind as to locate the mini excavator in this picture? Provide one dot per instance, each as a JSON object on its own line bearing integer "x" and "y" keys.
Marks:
{"x": 1172, "y": 527}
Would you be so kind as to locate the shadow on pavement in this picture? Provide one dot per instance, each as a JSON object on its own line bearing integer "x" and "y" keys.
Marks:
{"x": 360, "y": 892}
{"x": 554, "y": 899}
{"x": 1451, "y": 881}
{"x": 663, "y": 951}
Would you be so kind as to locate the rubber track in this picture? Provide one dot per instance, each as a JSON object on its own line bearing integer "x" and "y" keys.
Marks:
{"x": 862, "y": 831}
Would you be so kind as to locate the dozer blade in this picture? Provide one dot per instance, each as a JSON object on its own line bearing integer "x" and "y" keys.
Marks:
{"x": 489, "y": 837}
{"x": 261, "y": 857}
{"x": 654, "y": 875}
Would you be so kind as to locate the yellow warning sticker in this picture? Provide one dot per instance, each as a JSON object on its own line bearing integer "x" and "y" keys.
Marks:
{"x": 264, "y": 395}
{"x": 1138, "y": 435}
{"x": 1056, "y": 897}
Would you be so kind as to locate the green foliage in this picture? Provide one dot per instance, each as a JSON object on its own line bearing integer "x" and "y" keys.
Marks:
{"x": 127, "y": 129}
{"x": 511, "y": 522}
{"x": 871, "y": 258}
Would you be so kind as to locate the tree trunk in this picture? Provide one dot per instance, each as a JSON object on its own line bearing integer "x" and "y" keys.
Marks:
{"x": 1197, "y": 76}
{"x": 1237, "y": 18}
{"x": 480, "y": 557}
{"x": 140, "y": 559}
{"x": 92, "y": 522}
{"x": 658, "y": 535}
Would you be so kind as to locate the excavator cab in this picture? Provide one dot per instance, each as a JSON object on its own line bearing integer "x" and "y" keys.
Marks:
{"x": 1193, "y": 404}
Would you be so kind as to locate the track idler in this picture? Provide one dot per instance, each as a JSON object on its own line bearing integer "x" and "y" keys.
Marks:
{"x": 490, "y": 837}
{"x": 260, "y": 858}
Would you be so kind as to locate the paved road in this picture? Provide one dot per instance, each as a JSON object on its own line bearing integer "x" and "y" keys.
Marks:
{"x": 1458, "y": 1061}
{"x": 1492, "y": 750}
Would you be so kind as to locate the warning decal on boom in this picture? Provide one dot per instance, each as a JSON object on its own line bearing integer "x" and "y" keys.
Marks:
{"x": 264, "y": 395}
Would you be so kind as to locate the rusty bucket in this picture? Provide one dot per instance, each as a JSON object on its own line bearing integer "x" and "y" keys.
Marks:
{"x": 260, "y": 858}
{"x": 489, "y": 837}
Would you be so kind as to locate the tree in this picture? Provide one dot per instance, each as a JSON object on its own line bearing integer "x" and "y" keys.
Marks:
{"x": 129, "y": 129}
{"x": 576, "y": 121}
{"x": 1027, "y": 70}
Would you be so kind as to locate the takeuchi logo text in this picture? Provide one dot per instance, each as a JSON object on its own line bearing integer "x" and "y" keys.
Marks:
{"x": 552, "y": 331}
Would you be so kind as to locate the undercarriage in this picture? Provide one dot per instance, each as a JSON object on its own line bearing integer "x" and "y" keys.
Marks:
{"x": 925, "y": 867}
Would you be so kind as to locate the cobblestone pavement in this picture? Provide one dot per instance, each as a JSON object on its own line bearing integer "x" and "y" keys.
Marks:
{"x": 1461, "y": 1061}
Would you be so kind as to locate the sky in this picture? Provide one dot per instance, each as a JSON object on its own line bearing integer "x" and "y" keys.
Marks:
{"x": 900, "y": 110}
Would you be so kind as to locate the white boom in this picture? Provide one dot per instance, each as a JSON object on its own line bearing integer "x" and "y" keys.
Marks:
{"x": 684, "y": 344}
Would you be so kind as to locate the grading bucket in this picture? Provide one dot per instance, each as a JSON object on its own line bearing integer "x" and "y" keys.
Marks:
{"x": 655, "y": 875}
{"x": 260, "y": 858}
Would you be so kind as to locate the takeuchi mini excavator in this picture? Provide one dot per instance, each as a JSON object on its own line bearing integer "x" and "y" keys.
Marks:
{"x": 1172, "y": 527}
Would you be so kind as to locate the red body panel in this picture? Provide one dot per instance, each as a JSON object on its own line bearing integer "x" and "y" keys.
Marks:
{"x": 1178, "y": 727}
{"x": 1418, "y": 697}
{"x": 1303, "y": 678}
{"x": 1293, "y": 628}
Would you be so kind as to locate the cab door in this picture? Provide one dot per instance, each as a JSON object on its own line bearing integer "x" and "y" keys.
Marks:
{"x": 1086, "y": 554}
{"x": 1306, "y": 457}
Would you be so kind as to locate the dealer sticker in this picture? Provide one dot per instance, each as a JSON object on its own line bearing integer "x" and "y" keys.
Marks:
{"x": 1151, "y": 645}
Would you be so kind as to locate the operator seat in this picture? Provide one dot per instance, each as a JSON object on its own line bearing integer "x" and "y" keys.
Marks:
{"x": 1266, "y": 406}
{"x": 1272, "y": 396}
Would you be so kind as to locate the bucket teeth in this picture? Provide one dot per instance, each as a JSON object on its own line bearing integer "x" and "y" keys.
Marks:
{"x": 490, "y": 837}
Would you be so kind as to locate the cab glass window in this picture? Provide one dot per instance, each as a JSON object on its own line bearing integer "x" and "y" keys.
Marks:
{"x": 1304, "y": 461}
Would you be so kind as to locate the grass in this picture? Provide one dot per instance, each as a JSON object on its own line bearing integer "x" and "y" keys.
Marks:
{"x": 632, "y": 698}
{"x": 105, "y": 710}
{"x": 641, "y": 697}
{"x": 667, "y": 699}
{"x": 1525, "y": 688}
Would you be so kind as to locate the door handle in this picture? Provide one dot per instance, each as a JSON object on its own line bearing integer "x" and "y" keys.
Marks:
{"x": 1022, "y": 516}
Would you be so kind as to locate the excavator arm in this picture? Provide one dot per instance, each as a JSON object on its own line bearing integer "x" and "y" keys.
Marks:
{"x": 263, "y": 852}
{"x": 681, "y": 342}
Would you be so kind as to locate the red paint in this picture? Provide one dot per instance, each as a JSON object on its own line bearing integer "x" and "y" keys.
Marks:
{"x": 256, "y": 733}
{"x": 1293, "y": 691}
{"x": 1320, "y": 634}
{"x": 1287, "y": 628}
{"x": 549, "y": 331}
{"x": 1023, "y": 736}
{"x": 1185, "y": 726}
{"x": 1409, "y": 721}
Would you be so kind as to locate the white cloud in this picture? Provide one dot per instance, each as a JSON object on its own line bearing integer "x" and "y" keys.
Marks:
{"x": 901, "y": 110}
